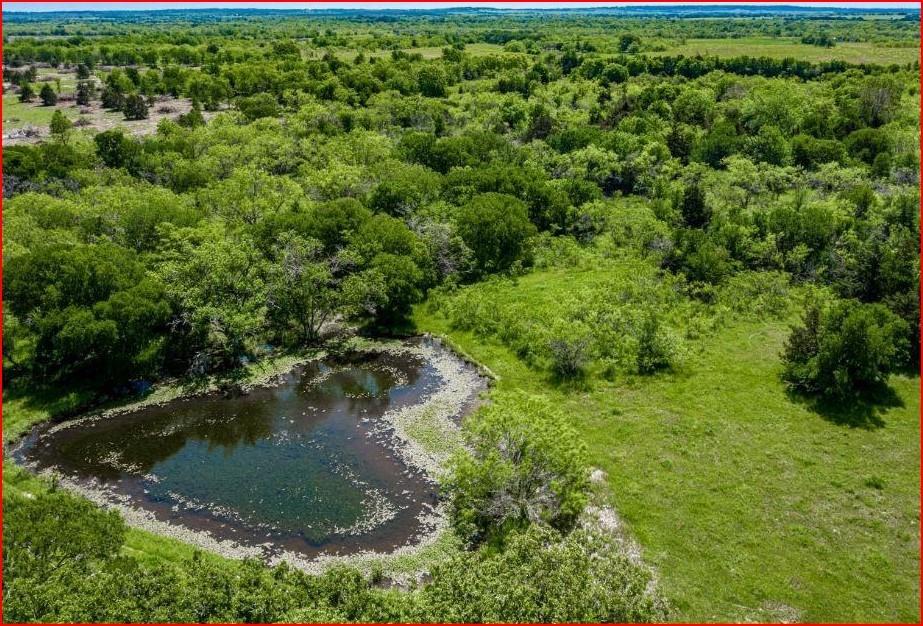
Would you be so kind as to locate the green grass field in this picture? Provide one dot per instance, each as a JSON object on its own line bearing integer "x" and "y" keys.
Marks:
{"x": 18, "y": 114}
{"x": 429, "y": 53}
{"x": 751, "y": 505}
{"x": 860, "y": 52}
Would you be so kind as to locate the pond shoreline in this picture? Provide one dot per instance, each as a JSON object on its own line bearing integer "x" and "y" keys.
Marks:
{"x": 423, "y": 435}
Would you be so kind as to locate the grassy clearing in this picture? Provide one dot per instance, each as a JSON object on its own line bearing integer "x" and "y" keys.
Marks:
{"x": 782, "y": 47}
{"x": 18, "y": 114}
{"x": 428, "y": 53}
{"x": 751, "y": 505}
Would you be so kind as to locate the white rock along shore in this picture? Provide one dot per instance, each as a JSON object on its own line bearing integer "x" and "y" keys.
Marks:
{"x": 424, "y": 435}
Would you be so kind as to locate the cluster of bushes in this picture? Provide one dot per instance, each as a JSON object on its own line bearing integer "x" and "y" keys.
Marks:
{"x": 620, "y": 318}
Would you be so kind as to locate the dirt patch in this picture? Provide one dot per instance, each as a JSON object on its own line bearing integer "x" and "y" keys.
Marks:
{"x": 95, "y": 118}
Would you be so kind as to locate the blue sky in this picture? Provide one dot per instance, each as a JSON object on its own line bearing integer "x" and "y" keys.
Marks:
{"x": 102, "y": 6}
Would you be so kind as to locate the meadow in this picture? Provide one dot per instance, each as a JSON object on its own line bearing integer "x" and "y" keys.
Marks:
{"x": 680, "y": 246}
{"x": 752, "y": 504}
{"x": 782, "y": 47}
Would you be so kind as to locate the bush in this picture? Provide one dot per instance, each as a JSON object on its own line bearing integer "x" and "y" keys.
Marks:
{"x": 135, "y": 108}
{"x": 26, "y": 93}
{"x": 656, "y": 348}
{"x": 48, "y": 95}
{"x": 844, "y": 349}
{"x": 810, "y": 152}
{"x": 257, "y": 106}
{"x": 85, "y": 92}
{"x": 542, "y": 578}
{"x": 59, "y": 124}
{"x": 525, "y": 465}
{"x": 568, "y": 356}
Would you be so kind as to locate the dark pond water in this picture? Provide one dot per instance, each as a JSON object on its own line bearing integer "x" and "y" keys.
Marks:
{"x": 303, "y": 465}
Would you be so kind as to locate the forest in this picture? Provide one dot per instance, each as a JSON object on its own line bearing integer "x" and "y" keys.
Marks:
{"x": 684, "y": 246}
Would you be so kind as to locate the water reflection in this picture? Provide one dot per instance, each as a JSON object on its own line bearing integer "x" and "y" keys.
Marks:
{"x": 299, "y": 464}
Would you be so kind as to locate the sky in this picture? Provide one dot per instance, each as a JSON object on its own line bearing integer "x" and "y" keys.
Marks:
{"x": 103, "y": 6}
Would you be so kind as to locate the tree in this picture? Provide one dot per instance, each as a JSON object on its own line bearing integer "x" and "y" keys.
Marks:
{"x": 216, "y": 282}
{"x": 810, "y": 152}
{"x": 694, "y": 106}
{"x": 48, "y": 95}
{"x": 26, "y": 92}
{"x": 844, "y": 349}
{"x": 541, "y": 123}
{"x": 393, "y": 283}
{"x": 614, "y": 74}
{"x": 135, "y": 108}
{"x": 301, "y": 289}
{"x": 54, "y": 532}
{"x": 695, "y": 210}
{"x": 115, "y": 149}
{"x": 867, "y": 144}
{"x": 83, "y": 71}
{"x": 257, "y": 106}
{"x": 112, "y": 98}
{"x": 60, "y": 125}
{"x": 432, "y": 80}
{"x": 697, "y": 256}
{"x": 719, "y": 142}
{"x": 525, "y": 465}
{"x": 497, "y": 229}
{"x": 879, "y": 97}
{"x": 193, "y": 118}
{"x": 768, "y": 146}
{"x": 405, "y": 190}
{"x": 629, "y": 43}
{"x": 85, "y": 92}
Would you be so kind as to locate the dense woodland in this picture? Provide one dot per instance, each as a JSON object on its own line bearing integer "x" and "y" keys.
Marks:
{"x": 344, "y": 177}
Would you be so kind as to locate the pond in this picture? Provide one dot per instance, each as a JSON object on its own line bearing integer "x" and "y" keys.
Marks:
{"x": 310, "y": 465}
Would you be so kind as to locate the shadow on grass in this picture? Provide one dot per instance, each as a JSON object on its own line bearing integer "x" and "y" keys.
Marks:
{"x": 863, "y": 410}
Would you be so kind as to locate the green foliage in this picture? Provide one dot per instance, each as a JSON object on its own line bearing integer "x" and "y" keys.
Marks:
{"x": 844, "y": 349}
{"x": 48, "y": 95}
{"x": 658, "y": 185}
{"x": 60, "y": 125}
{"x": 217, "y": 285}
{"x": 592, "y": 321}
{"x": 134, "y": 108}
{"x": 257, "y": 106}
{"x": 525, "y": 466}
{"x": 193, "y": 118}
{"x": 542, "y": 578}
{"x": 115, "y": 149}
{"x": 497, "y": 229}
{"x": 432, "y": 80}
{"x": 26, "y": 92}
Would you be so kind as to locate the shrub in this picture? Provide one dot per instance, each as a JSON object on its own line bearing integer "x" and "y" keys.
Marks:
{"x": 48, "y": 95}
{"x": 257, "y": 106}
{"x": 525, "y": 465}
{"x": 59, "y": 124}
{"x": 542, "y": 578}
{"x": 135, "y": 107}
{"x": 656, "y": 350}
{"x": 26, "y": 93}
{"x": 85, "y": 92}
{"x": 844, "y": 349}
{"x": 568, "y": 356}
